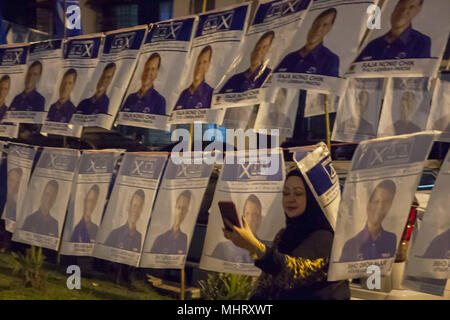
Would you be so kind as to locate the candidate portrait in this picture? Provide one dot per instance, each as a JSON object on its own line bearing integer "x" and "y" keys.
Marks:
{"x": 147, "y": 99}
{"x": 29, "y": 99}
{"x": 86, "y": 231}
{"x": 314, "y": 57}
{"x": 5, "y": 85}
{"x": 357, "y": 123}
{"x": 99, "y": 102}
{"x": 41, "y": 221}
{"x": 226, "y": 250}
{"x": 199, "y": 93}
{"x": 373, "y": 242}
{"x": 174, "y": 241}
{"x": 13, "y": 179}
{"x": 277, "y": 118}
{"x": 439, "y": 247}
{"x": 406, "y": 111}
{"x": 257, "y": 72}
{"x": 63, "y": 109}
{"x": 127, "y": 237}
{"x": 402, "y": 41}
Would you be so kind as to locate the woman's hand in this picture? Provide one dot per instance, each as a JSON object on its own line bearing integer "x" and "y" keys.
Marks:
{"x": 244, "y": 238}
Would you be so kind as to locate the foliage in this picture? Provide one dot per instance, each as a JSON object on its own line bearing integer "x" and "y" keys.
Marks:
{"x": 29, "y": 267}
{"x": 226, "y": 286}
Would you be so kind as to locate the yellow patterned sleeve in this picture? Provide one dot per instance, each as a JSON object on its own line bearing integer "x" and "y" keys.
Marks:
{"x": 299, "y": 271}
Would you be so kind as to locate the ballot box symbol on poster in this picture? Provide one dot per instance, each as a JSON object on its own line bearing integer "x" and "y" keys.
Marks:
{"x": 380, "y": 155}
{"x": 218, "y": 22}
{"x": 251, "y": 171}
{"x": 97, "y": 166}
{"x": 329, "y": 169}
{"x": 122, "y": 42}
{"x": 189, "y": 171}
{"x": 13, "y": 56}
{"x": 167, "y": 31}
{"x": 143, "y": 168}
{"x": 280, "y": 9}
{"x": 58, "y": 162}
{"x": 44, "y": 46}
{"x": 81, "y": 49}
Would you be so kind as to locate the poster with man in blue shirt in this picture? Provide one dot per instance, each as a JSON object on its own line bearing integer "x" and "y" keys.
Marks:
{"x": 147, "y": 99}
{"x": 314, "y": 57}
{"x": 63, "y": 109}
{"x": 86, "y": 230}
{"x": 5, "y": 84}
{"x": 199, "y": 93}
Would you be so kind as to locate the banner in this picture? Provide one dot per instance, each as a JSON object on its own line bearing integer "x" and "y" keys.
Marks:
{"x": 258, "y": 197}
{"x": 12, "y": 77}
{"x": 44, "y": 67}
{"x": 279, "y": 115}
{"x": 315, "y": 104}
{"x": 406, "y": 106}
{"x": 407, "y": 44}
{"x": 103, "y": 95}
{"x": 122, "y": 231}
{"x": 216, "y": 44}
{"x": 161, "y": 62}
{"x": 19, "y": 164}
{"x": 88, "y": 200}
{"x": 359, "y": 110}
{"x": 376, "y": 201}
{"x": 439, "y": 118}
{"x": 429, "y": 254}
{"x": 323, "y": 49}
{"x": 175, "y": 214}
{"x": 272, "y": 29}
{"x": 81, "y": 55}
{"x": 41, "y": 218}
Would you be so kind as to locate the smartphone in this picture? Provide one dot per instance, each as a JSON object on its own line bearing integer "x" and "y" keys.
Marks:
{"x": 229, "y": 212}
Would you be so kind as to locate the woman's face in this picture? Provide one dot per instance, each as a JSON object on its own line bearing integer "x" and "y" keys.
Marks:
{"x": 294, "y": 197}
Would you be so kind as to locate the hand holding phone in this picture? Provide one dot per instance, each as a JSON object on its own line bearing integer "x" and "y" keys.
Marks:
{"x": 228, "y": 211}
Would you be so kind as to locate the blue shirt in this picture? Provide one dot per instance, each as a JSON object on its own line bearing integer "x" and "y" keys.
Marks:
{"x": 245, "y": 81}
{"x": 410, "y": 44}
{"x": 3, "y": 110}
{"x": 122, "y": 238}
{"x": 439, "y": 248}
{"x": 320, "y": 60}
{"x": 200, "y": 99}
{"x": 33, "y": 101}
{"x": 362, "y": 247}
{"x": 166, "y": 243}
{"x": 89, "y": 106}
{"x": 84, "y": 233}
{"x": 152, "y": 102}
{"x": 61, "y": 113}
{"x": 41, "y": 224}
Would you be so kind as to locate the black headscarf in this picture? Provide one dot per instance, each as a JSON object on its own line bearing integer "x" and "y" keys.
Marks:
{"x": 300, "y": 227}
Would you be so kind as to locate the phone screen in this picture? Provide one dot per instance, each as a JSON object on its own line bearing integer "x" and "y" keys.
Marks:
{"x": 229, "y": 212}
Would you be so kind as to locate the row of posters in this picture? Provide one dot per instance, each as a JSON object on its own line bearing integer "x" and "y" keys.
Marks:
{"x": 196, "y": 68}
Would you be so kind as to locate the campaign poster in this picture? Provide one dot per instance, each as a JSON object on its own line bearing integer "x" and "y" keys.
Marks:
{"x": 257, "y": 195}
{"x": 215, "y": 47}
{"x": 358, "y": 113}
{"x": 273, "y": 28}
{"x": 238, "y": 118}
{"x": 43, "y": 69}
{"x": 429, "y": 255}
{"x": 279, "y": 115}
{"x": 410, "y": 42}
{"x": 406, "y": 106}
{"x": 324, "y": 47}
{"x": 87, "y": 202}
{"x": 80, "y": 58}
{"x": 175, "y": 214}
{"x": 103, "y": 95}
{"x": 151, "y": 95}
{"x": 439, "y": 118}
{"x": 378, "y": 193}
{"x": 315, "y": 103}
{"x": 124, "y": 225}
{"x": 43, "y": 212}
{"x": 19, "y": 164}
{"x": 13, "y": 66}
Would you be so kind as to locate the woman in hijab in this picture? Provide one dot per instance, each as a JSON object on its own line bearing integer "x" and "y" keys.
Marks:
{"x": 296, "y": 265}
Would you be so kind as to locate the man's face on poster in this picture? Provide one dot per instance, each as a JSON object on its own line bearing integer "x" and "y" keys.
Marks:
{"x": 404, "y": 13}
{"x": 105, "y": 80}
{"x": 90, "y": 202}
{"x": 13, "y": 182}
{"x": 252, "y": 213}
{"x": 181, "y": 210}
{"x": 4, "y": 90}
{"x": 379, "y": 205}
{"x": 150, "y": 73}
{"x": 320, "y": 28}
{"x": 260, "y": 50}
{"x": 202, "y": 66}
{"x": 32, "y": 77}
{"x": 67, "y": 86}
{"x": 48, "y": 198}
{"x": 135, "y": 209}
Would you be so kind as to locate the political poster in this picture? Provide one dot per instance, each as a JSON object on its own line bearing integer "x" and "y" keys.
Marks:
{"x": 358, "y": 113}
{"x": 273, "y": 28}
{"x": 216, "y": 44}
{"x": 279, "y": 115}
{"x": 13, "y": 66}
{"x": 19, "y": 164}
{"x": 378, "y": 193}
{"x": 255, "y": 189}
{"x": 406, "y": 106}
{"x": 439, "y": 118}
{"x": 122, "y": 231}
{"x": 324, "y": 47}
{"x": 429, "y": 254}
{"x": 103, "y": 94}
{"x": 80, "y": 57}
{"x": 315, "y": 103}
{"x": 406, "y": 44}
{"x": 175, "y": 214}
{"x": 88, "y": 200}
{"x": 43, "y": 212}
{"x": 238, "y": 118}
{"x": 162, "y": 59}
{"x": 43, "y": 68}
